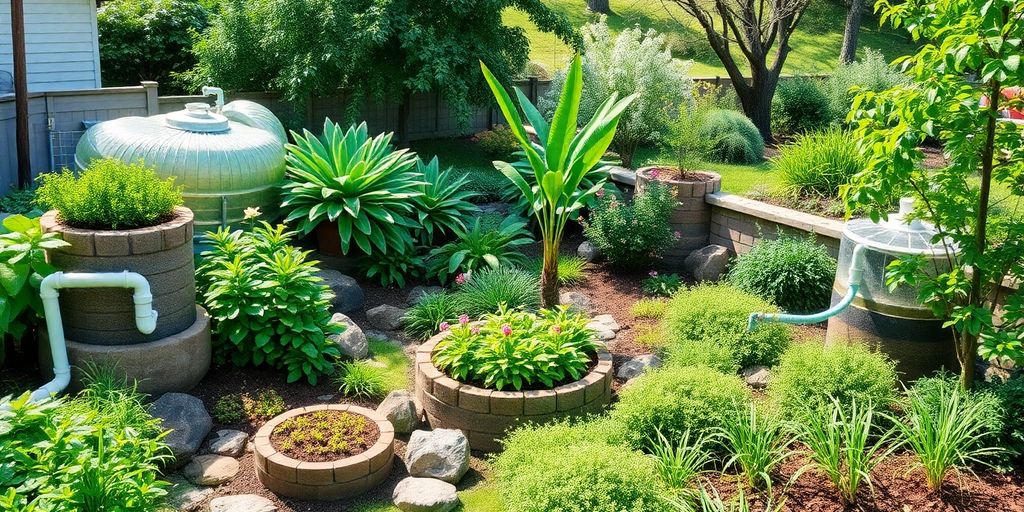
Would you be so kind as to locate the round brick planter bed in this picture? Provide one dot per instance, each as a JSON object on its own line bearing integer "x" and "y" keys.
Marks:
{"x": 692, "y": 215}
{"x": 485, "y": 415}
{"x": 328, "y": 480}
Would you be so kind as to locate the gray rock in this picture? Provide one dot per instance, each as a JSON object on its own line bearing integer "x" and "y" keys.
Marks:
{"x": 637, "y": 366}
{"x": 588, "y": 252}
{"x": 623, "y": 175}
{"x": 183, "y": 496}
{"x": 756, "y": 377}
{"x": 400, "y": 409}
{"x": 230, "y": 443}
{"x": 325, "y": 398}
{"x": 601, "y": 332}
{"x": 211, "y": 469}
{"x": 242, "y": 503}
{"x": 708, "y": 263}
{"x": 441, "y": 454}
{"x": 576, "y": 301}
{"x": 348, "y": 295}
{"x": 385, "y": 317}
{"x": 608, "y": 321}
{"x": 494, "y": 207}
{"x": 186, "y": 417}
{"x": 417, "y": 293}
{"x": 351, "y": 342}
{"x": 424, "y": 495}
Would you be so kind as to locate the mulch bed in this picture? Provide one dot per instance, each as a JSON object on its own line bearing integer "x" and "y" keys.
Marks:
{"x": 358, "y": 441}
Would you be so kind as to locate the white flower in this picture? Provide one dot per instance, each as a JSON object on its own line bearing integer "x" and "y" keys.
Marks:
{"x": 252, "y": 212}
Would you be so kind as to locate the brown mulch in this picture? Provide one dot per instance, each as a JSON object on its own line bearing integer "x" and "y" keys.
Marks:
{"x": 677, "y": 174}
{"x": 357, "y": 441}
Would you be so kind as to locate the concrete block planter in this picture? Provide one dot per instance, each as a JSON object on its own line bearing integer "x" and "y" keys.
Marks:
{"x": 485, "y": 415}
{"x": 692, "y": 215}
{"x": 324, "y": 481}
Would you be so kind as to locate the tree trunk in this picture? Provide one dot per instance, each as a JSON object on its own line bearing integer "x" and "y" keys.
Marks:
{"x": 599, "y": 6}
{"x": 757, "y": 104}
{"x": 626, "y": 153}
{"x": 848, "y": 53}
{"x": 549, "y": 277}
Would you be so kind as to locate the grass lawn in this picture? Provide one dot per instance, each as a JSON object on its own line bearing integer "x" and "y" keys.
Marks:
{"x": 394, "y": 364}
{"x": 736, "y": 178}
{"x": 481, "y": 498}
{"x": 815, "y": 44}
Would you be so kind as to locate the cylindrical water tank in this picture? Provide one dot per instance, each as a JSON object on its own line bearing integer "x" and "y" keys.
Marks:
{"x": 893, "y": 322}
{"x": 225, "y": 161}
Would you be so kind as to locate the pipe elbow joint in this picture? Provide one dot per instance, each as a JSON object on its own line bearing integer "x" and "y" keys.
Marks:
{"x": 146, "y": 322}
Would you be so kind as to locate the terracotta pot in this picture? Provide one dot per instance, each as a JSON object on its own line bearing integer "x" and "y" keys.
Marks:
{"x": 692, "y": 216}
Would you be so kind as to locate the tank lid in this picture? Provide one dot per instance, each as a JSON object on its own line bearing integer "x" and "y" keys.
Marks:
{"x": 898, "y": 235}
{"x": 197, "y": 117}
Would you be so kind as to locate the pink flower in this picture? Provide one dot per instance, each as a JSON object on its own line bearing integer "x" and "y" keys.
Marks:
{"x": 556, "y": 328}
{"x": 677, "y": 235}
{"x": 463, "y": 319}
{"x": 599, "y": 193}
{"x": 444, "y": 326}
{"x": 506, "y": 330}
{"x": 653, "y": 273}
{"x": 475, "y": 330}
{"x": 654, "y": 173}
{"x": 460, "y": 279}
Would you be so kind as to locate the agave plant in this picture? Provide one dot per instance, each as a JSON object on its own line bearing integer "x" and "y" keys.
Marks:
{"x": 359, "y": 182}
{"x": 444, "y": 201}
{"x": 560, "y": 162}
{"x": 479, "y": 248}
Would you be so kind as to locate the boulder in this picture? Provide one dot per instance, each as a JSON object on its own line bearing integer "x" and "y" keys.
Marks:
{"x": 441, "y": 454}
{"x": 229, "y": 443}
{"x": 576, "y": 301}
{"x": 186, "y": 417}
{"x": 588, "y": 252}
{"x": 608, "y": 321}
{"x": 417, "y": 293}
{"x": 211, "y": 469}
{"x": 348, "y": 295}
{"x": 351, "y": 342}
{"x": 623, "y": 175}
{"x": 400, "y": 409}
{"x": 424, "y": 495}
{"x": 183, "y": 496}
{"x": 756, "y": 377}
{"x": 242, "y": 503}
{"x": 708, "y": 263}
{"x": 385, "y": 317}
{"x": 637, "y": 366}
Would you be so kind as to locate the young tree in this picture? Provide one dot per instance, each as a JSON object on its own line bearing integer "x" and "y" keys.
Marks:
{"x": 970, "y": 56}
{"x": 761, "y": 31}
{"x": 848, "y": 52}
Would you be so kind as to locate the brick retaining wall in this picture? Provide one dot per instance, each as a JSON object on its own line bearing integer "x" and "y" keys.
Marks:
{"x": 738, "y": 223}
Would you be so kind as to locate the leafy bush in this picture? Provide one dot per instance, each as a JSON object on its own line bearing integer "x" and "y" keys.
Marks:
{"x": 661, "y": 285}
{"x": 571, "y": 269}
{"x": 795, "y": 273}
{"x": 703, "y": 353}
{"x": 818, "y": 163}
{"x": 800, "y": 105}
{"x": 871, "y": 73}
{"x": 424, "y": 318}
{"x": 477, "y": 248}
{"x": 516, "y": 349}
{"x": 757, "y": 442}
{"x": 268, "y": 305}
{"x": 810, "y": 376}
{"x": 498, "y": 142}
{"x": 689, "y": 320}
{"x": 486, "y": 290}
{"x": 360, "y": 379}
{"x": 394, "y": 267}
{"x": 632, "y": 235}
{"x": 110, "y": 194}
{"x": 1011, "y": 436}
{"x": 739, "y": 142}
{"x": 360, "y": 182}
{"x": 444, "y": 202}
{"x": 20, "y": 202}
{"x": 675, "y": 400}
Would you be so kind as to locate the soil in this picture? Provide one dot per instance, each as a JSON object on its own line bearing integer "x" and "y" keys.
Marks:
{"x": 677, "y": 174}
{"x": 328, "y": 423}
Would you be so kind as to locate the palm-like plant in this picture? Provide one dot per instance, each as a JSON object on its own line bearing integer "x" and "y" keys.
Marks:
{"x": 360, "y": 182}
{"x": 444, "y": 201}
{"x": 560, "y": 162}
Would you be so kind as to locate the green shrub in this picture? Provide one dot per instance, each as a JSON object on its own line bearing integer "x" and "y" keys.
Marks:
{"x": 498, "y": 142}
{"x": 810, "y": 375}
{"x": 235, "y": 407}
{"x": 690, "y": 319}
{"x": 632, "y": 235}
{"x": 649, "y": 308}
{"x": 818, "y": 163}
{"x": 800, "y": 105}
{"x": 1011, "y": 436}
{"x": 794, "y": 273}
{"x": 513, "y": 349}
{"x": 477, "y": 248}
{"x": 487, "y": 289}
{"x": 443, "y": 203}
{"x": 268, "y": 305}
{"x": 424, "y": 318}
{"x": 394, "y": 267}
{"x": 571, "y": 269}
{"x": 228, "y": 409}
{"x": 661, "y": 285}
{"x": 360, "y": 379}
{"x": 20, "y": 202}
{"x": 703, "y": 353}
{"x": 739, "y": 141}
{"x": 110, "y": 194}
{"x": 675, "y": 400}
{"x": 872, "y": 73}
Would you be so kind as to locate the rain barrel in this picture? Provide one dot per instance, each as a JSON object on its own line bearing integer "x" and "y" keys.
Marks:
{"x": 226, "y": 159}
{"x": 892, "y": 322}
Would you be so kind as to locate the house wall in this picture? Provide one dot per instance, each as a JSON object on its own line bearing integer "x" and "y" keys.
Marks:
{"x": 61, "y": 43}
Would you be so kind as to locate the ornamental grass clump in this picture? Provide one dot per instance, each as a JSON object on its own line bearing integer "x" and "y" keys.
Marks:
{"x": 818, "y": 163}
{"x": 757, "y": 443}
{"x": 485, "y": 291}
{"x": 424, "y": 318}
{"x": 515, "y": 349}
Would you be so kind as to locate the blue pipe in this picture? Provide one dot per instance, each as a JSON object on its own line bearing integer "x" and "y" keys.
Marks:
{"x": 856, "y": 275}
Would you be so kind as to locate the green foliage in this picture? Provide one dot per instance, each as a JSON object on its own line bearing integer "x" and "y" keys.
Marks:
{"x": 515, "y": 349}
{"x": 648, "y": 308}
{"x": 424, "y": 318}
{"x": 395, "y": 365}
{"x": 479, "y": 248}
{"x": 686, "y": 139}
{"x": 269, "y": 306}
{"x": 992, "y": 412}
{"x": 632, "y": 235}
{"x": 265, "y": 405}
{"x": 689, "y": 320}
{"x": 444, "y": 201}
{"x": 110, "y": 194}
{"x": 800, "y": 106}
{"x": 705, "y": 352}
{"x": 739, "y": 142}
{"x": 359, "y": 182}
{"x": 680, "y": 463}
{"x": 757, "y": 442}
{"x": 571, "y": 269}
{"x": 394, "y": 267}
{"x": 360, "y": 379}
{"x": 794, "y": 273}
{"x": 485, "y": 291}
{"x": 22, "y": 268}
{"x": 675, "y": 400}
{"x": 818, "y": 163}
{"x": 1011, "y": 437}
{"x": 809, "y": 377}
{"x": 871, "y": 73}
{"x": 661, "y": 285}
{"x": 148, "y": 40}
{"x": 20, "y": 202}
{"x": 228, "y": 409}
{"x": 498, "y": 142}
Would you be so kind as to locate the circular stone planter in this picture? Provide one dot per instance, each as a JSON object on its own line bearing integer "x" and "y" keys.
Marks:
{"x": 692, "y": 214}
{"x": 485, "y": 415}
{"x": 324, "y": 481}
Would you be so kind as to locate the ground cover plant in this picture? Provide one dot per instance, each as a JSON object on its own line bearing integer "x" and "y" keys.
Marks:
{"x": 20, "y": 202}
{"x": 258, "y": 407}
{"x": 632, "y": 235}
{"x": 661, "y": 285}
{"x": 794, "y": 273}
{"x": 323, "y": 435}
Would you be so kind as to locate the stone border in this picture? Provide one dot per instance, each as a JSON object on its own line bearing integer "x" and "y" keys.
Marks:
{"x": 692, "y": 215}
{"x": 324, "y": 481}
{"x": 126, "y": 242}
{"x": 484, "y": 415}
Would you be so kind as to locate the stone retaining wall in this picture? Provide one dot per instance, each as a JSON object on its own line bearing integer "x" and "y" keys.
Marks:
{"x": 738, "y": 223}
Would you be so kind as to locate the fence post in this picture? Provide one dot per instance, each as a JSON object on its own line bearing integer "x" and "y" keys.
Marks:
{"x": 152, "y": 90}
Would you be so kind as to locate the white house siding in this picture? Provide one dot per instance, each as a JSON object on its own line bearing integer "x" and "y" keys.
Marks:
{"x": 61, "y": 42}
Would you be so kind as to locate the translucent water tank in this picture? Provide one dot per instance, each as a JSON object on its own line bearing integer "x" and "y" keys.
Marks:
{"x": 893, "y": 322}
{"x": 225, "y": 159}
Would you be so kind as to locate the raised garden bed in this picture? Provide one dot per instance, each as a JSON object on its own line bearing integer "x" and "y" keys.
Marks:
{"x": 692, "y": 215}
